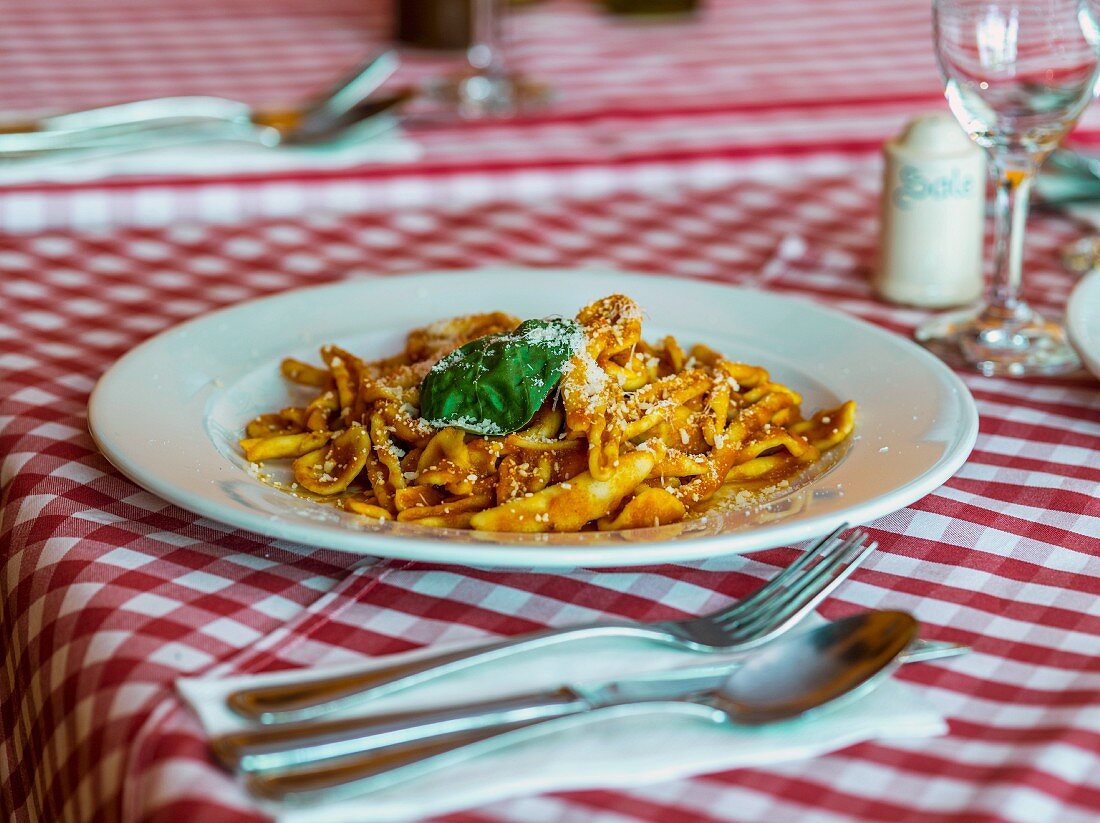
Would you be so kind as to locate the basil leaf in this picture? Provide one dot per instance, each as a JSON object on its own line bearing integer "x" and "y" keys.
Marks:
{"x": 495, "y": 384}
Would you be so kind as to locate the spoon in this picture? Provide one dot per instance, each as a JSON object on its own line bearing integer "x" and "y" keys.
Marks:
{"x": 786, "y": 678}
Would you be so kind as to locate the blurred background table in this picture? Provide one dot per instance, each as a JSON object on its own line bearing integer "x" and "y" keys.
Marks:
{"x": 731, "y": 92}
{"x": 740, "y": 146}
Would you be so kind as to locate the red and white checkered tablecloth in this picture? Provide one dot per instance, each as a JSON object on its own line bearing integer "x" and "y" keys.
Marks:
{"x": 692, "y": 149}
{"x": 110, "y": 593}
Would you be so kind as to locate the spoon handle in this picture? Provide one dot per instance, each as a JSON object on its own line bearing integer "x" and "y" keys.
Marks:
{"x": 345, "y": 777}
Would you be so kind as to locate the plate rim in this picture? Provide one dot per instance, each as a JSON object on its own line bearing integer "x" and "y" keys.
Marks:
{"x": 513, "y": 555}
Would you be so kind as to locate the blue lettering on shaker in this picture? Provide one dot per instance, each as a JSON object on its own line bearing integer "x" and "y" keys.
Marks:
{"x": 915, "y": 187}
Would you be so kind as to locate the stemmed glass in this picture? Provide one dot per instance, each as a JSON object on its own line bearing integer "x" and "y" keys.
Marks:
{"x": 1019, "y": 73}
{"x": 487, "y": 88}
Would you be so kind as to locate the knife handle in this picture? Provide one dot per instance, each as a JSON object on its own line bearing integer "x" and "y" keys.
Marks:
{"x": 296, "y": 744}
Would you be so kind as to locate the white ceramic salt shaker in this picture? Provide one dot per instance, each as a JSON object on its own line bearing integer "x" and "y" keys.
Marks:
{"x": 933, "y": 215}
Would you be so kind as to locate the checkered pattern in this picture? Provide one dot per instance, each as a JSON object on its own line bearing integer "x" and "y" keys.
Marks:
{"x": 737, "y": 148}
{"x": 636, "y": 103}
{"x": 108, "y": 593}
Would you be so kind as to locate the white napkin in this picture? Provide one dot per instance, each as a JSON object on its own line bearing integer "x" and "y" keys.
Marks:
{"x": 617, "y": 752}
{"x": 374, "y": 141}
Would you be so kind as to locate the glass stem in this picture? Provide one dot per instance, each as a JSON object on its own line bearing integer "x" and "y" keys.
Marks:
{"x": 484, "y": 52}
{"x": 1013, "y": 187}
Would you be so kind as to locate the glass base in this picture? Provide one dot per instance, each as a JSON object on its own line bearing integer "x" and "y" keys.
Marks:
{"x": 476, "y": 95}
{"x": 1012, "y": 342}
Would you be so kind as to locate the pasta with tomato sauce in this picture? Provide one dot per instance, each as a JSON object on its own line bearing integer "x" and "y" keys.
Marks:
{"x": 487, "y": 423}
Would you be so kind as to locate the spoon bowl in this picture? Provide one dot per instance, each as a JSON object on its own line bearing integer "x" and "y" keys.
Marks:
{"x": 814, "y": 669}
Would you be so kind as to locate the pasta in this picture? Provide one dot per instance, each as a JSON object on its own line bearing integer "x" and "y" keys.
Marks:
{"x": 629, "y": 435}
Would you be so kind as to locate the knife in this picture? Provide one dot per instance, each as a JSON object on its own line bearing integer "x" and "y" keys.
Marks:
{"x": 296, "y": 744}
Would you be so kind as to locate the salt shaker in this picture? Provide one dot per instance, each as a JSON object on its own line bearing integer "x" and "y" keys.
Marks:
{"x": 933, "y": 215}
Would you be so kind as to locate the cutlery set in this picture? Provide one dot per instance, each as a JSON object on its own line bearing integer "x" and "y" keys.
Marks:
{"x": 296, "y": 752}
{"x": 177, "y": 121}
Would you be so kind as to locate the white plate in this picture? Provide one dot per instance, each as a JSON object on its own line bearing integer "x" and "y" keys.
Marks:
{"x": 1083, "y": 321}
{"x": 169, "y": 413}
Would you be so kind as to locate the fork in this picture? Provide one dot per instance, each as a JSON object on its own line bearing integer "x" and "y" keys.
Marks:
{"x": 770, "y": 611}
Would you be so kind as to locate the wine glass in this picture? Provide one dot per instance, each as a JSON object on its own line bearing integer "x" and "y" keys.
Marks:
{"x": 487, "y": 88}
{"x": 1018, "y": 73}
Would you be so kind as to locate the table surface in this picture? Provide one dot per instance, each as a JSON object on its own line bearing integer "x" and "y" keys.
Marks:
{"x": 108, "y": 593}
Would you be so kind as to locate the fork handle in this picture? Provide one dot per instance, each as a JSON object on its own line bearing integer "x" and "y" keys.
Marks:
{"x": 308, "y": 699}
